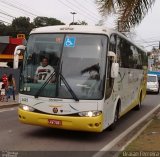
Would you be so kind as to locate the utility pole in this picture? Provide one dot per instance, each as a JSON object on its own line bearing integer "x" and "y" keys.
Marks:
{"x": 73, "y": 13}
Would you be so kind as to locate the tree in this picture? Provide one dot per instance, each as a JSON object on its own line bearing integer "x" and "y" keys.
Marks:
{"x": 45, "y": 21}
{"x": 24, "y": 26}
{"x": 21, "y": 25}
{"x": 82, "y": 23}
{"x": 130, "y": 12}
{"x": 79, "y": 23}
{"x": 2, "y": 28}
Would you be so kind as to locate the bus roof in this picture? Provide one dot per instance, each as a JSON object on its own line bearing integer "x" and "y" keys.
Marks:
{"x": 80, "y": 29}
{"x": 72, "y": 28}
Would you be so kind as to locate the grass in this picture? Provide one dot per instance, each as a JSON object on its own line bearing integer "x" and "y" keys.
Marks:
{"x": 147, "y": 141}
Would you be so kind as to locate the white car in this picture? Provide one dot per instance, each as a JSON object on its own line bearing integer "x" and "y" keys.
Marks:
{"x": 152, "y": 83}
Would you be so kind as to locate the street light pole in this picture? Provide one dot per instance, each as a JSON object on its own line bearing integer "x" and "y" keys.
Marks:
{"x": 73, "y": 13}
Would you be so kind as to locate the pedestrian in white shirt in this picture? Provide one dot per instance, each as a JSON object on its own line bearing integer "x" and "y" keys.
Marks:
{"x": 3, "y": 92}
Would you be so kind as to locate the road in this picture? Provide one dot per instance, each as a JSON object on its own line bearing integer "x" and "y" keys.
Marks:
{"x": 20, "y": 137}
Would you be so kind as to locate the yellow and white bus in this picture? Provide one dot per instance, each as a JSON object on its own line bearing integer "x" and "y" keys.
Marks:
{"x": 99, "y": 75}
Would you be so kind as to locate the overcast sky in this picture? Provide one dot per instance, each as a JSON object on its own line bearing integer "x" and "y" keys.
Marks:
{"x": 147, "y": 33}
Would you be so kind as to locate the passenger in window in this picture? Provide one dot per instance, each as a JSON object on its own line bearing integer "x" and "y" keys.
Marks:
{"x": 44, "y": 71}
{"x": 93, "y": 71}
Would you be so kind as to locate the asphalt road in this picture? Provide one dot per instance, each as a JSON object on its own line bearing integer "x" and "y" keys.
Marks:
{"x": 19, "y": 137}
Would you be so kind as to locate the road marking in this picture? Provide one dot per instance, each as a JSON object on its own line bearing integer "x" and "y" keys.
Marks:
{"x": 121, "y": 136}
{"x": 7, "y": 110}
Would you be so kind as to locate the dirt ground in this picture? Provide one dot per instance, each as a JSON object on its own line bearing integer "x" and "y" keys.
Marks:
{"x": 147, "y": 141}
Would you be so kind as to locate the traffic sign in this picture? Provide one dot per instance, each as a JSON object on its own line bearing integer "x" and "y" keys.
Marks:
{"x": 70, "y": 42}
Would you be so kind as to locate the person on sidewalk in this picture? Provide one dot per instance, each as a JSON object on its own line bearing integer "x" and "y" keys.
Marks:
{"x": 5, "y": 79}
{"x": 3, "y": 92}
{"x": 11, "y": 87}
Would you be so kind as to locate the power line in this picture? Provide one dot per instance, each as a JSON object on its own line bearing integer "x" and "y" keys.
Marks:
{"x": 143, "y": 40}
{"x": 148, "y": 41}
{"x": 4, "y": 21}
{"x": 83, "y": 8}
{"x": 14, "y": 6}
{"x": 12, "y": 10}
{"x": 89, "y": 16}
{"x": 4, "y": 13}
{"x": 24, "y": 5}
{"x": 5, "y": 18}
{"x": 90, "y": 4}
{"x": 152, "y": 45}
{"x": 76, "y": 10}
{"x": 150, "y": 38}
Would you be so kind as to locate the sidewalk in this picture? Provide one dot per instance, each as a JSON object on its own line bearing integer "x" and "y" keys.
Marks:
{"x": 10, "y": 103}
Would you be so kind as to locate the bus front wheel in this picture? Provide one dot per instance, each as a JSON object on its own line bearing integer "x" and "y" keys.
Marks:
{"x": 116, "y": 117}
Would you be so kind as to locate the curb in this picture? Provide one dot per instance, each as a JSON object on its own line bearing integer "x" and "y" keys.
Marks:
{"x": 9, "y": 106}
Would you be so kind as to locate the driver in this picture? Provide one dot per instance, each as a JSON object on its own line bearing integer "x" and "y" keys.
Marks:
{"x": 44, "y": 71}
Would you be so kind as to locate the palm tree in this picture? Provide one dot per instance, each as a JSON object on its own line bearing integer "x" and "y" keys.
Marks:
{"x": 130, "y": 12}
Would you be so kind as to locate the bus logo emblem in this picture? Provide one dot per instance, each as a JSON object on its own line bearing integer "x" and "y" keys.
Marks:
{"x": 55, "y": 110}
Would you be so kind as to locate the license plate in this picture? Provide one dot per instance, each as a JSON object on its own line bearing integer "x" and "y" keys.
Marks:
{"x": 54, "y": 122}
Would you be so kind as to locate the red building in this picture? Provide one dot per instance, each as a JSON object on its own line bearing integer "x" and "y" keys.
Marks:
{"x": 7, "y": 47}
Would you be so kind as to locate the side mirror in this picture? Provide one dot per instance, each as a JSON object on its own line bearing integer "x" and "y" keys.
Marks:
{"x": 17, "y": 51}
{"x": 114, "y": 70}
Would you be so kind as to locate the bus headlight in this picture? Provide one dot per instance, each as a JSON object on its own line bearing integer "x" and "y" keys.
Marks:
{"x": 26, "y": 108}
{"x": 90, "y": 113}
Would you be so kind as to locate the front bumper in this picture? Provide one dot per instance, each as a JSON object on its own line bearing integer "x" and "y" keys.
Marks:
{"x": 92, "y": 124}
{"x": 152, "y": 89}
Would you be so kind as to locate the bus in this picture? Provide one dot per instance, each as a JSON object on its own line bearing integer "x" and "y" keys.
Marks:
{"x": 99, "y": 75}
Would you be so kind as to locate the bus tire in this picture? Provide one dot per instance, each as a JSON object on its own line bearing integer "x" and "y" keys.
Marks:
{"x": 139, "y": 105}
{"x": 116, "y": 117}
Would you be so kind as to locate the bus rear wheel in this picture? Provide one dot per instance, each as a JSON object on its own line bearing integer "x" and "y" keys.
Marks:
{"x": 139, "y": 105}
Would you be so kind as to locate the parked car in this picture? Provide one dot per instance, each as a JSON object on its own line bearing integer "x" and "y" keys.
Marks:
{"x": 152, "y": 83}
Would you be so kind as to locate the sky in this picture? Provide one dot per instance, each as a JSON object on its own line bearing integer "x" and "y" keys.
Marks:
{"x": 147, "y": 34}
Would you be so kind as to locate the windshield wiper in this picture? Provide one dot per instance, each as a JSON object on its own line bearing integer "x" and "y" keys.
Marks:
{"x": 69, "y": 88}
{"x": 65, "y": 82}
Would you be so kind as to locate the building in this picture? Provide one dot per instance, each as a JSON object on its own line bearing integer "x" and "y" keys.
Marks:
{"x": 154, "y": 60}
{"x": 7, "y": 47}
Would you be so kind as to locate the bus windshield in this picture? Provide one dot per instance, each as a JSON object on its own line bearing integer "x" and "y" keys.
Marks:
{"x": 79, "y": 58}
